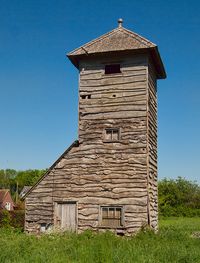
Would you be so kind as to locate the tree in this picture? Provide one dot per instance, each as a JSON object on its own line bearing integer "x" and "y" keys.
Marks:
{"x": 16, "y": 180}
{"x": 179, "y": 197}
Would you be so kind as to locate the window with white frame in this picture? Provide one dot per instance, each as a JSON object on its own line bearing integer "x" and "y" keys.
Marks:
{"x": 111, "y": 216}
{"x": 8, "y": 206}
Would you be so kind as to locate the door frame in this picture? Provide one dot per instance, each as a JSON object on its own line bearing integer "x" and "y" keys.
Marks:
{"x": 55, "y": 205}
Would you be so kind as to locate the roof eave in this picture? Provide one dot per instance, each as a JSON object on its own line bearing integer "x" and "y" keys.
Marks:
{"x": 161, "y": 74}
{"x": 74, "y": 59}
{"x": 160, "y": 69}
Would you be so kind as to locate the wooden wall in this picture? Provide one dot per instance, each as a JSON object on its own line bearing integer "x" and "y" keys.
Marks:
{"x": 152, "y": 147}
{"x": 99, "y": 173}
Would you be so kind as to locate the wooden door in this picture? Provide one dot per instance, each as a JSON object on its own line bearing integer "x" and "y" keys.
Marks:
{"x": 66, "y": 216}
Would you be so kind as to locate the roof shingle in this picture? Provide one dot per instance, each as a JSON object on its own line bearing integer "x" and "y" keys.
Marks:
{"x": 119, "y": 39}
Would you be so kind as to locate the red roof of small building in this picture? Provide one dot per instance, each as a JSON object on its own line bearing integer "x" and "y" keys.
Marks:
{"x": 3, "y": 193}
{"x": 5, "y": 197}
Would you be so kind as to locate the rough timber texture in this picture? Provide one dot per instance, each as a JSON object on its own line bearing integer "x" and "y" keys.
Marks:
{"x": 152, "y": 148}
{"x": 94, "y": 172}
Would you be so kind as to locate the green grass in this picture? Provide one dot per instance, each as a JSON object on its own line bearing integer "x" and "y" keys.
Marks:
{"x": 173, "y": 243}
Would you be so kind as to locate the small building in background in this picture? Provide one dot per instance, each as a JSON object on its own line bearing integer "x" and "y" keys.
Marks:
{"x": 6, "y": 201}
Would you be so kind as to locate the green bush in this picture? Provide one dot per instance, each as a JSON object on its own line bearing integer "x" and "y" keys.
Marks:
{"x": 5, "y": 218}
{"x": 178, "y": 198}
{"x": 16, "y": 180}
{"x": 12, "y": 218}
{"x": 17, "y": 218}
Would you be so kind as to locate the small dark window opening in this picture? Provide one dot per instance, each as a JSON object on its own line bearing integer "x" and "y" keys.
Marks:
{"x": 111, "y": 216}
{"x": 83, "y": 97}
{"x": 120, "y": 234}
{"x": 112, "y": 134}
{"x": 111, "y": 69}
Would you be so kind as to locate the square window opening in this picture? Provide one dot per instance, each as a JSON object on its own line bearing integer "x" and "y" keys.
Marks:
{"x": 112, "y": 134}
{"x": 83, "y": 97}
{"x": 113, "y": 68}
{"x": 111, "y": 216}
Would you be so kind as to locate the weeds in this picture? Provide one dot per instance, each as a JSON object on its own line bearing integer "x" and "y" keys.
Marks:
{"x": 173, "y": 243}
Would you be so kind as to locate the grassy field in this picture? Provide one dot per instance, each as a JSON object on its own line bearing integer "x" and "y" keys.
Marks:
{"x": 174, "y": 243}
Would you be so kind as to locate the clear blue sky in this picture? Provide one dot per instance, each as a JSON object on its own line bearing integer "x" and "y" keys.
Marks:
{"x": 39, "y": 86}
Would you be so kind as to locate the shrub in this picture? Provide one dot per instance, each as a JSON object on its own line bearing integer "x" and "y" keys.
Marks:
{"x": 17, "y": 218}
{"x": 12, "y": 218}
{"x": 178, "y": 198}
{"x": 5, "y": 218}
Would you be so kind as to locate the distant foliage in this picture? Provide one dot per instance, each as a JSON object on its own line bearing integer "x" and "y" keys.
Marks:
{"x": 179, "y": 198}
{"x": 12, "y": 218}
{"x": 5, "y": 218}
{"x": 17, "y": 218}
{"x": 12, "y": 179}
{"x": 6, "y": 177}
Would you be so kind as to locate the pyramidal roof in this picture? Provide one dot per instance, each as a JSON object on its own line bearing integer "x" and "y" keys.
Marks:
{"x": 119, "y": 39}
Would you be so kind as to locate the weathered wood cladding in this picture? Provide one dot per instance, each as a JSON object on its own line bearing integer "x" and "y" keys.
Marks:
{"x": 116, "y": 100}
{"x": 98, "y": 173}
{"x": 152, "y": 147}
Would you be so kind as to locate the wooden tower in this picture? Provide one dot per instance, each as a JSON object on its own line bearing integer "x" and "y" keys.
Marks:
{"x": 108, "y": 178}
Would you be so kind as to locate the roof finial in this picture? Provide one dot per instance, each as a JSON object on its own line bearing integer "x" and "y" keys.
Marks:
{"x": 120, "y": 22}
